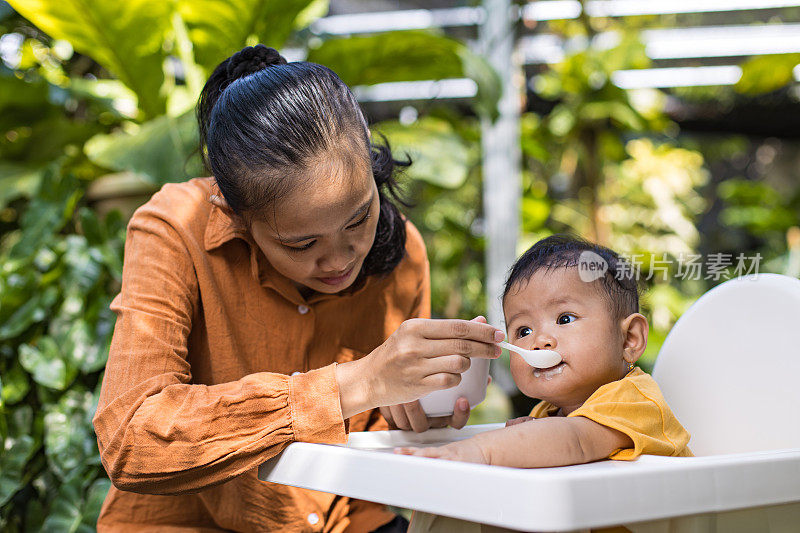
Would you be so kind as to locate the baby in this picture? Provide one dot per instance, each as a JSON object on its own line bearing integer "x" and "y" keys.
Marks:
{"x": 595, "y": 404}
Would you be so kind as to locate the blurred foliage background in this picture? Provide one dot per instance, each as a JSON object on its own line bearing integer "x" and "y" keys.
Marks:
{"x": 96, "y": 104}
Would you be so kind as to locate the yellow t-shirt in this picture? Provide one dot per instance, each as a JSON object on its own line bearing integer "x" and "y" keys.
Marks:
{"x": 635, "y": 406}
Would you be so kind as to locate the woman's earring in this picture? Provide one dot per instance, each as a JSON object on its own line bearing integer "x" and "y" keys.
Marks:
{"x": 630, "y": 366}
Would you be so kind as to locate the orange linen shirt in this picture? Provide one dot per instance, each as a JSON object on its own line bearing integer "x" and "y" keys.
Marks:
{"x": 218, "y": 363}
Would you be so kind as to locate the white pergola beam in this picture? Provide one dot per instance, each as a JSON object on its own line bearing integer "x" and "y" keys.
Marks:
{"x": 417, "y": 19}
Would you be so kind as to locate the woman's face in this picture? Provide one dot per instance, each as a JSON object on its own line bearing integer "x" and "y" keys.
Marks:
{"x": 319, "y": 234}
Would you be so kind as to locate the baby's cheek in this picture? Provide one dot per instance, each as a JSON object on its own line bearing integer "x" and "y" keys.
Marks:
{"x": 522, "y": 374}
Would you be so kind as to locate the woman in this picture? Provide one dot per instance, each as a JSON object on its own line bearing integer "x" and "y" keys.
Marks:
{"x": 282, "y": 300}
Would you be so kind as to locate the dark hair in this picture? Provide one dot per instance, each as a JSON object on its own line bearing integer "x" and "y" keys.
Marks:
{"x": 260, "y": 115}
{"x": 618, "y": 283}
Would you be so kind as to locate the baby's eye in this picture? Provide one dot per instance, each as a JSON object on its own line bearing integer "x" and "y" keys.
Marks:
{"x": 524, "y": 331}
{"x": 566, "y": 318}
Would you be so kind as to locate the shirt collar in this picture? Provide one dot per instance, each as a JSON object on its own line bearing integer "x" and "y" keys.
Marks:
{"x": 222, "y": 228}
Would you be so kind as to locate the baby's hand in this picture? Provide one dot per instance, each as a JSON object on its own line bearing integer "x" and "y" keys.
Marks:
{"x": 520, "y": 420}
{"x": 467, "y": 451}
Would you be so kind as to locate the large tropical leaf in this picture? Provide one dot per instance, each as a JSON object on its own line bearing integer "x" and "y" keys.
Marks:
{"x": 218, "y": 29}
{"x": 439, "y": 155}
{"x": 764, "y": 74}
{"x": 17, "y": 181}
{"x": 125, "y": 37}
{"x": 18, "y": 448}
{"x": 407, "y": 56}
{"x": 75, "y": 509}
{"x": 69, "y": 446}
{"x": 163, "y": 149}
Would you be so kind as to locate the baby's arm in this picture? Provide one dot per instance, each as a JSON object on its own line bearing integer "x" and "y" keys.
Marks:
{"x": 555, "y": 441}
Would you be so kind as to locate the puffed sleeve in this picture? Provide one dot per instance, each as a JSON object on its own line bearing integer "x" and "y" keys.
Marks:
{"x": 159, "y": 433}
{"x": 634, "y": 406}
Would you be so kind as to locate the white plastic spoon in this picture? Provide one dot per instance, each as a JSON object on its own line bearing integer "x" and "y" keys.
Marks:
{"x": 536, "y": 358}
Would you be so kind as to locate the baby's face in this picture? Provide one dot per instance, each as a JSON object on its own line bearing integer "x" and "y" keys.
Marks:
{"x": 558, "y": 311}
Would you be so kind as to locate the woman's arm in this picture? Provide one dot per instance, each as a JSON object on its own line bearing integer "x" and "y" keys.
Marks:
{"x": 157, "y": 432}
{"x": 555, "y": 441}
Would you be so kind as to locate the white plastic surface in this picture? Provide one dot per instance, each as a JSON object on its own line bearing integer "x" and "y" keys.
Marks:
{"x": 544, "y": 499}
{"x": 730, "y": 367}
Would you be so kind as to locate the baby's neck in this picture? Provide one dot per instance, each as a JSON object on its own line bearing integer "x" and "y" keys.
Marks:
{"x": 564, "y": 410}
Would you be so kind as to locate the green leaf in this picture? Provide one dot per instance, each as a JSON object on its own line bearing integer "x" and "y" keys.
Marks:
{"x": 32, "y": 311}
{"x": 15, "y": 384}
{"x": 218, "y": 29}
{"x": 53, "y": 204}
{"x": 315, "y": 9}
{"x": 68, "y": 434}
{"x": 46, "y": 364}
{"x": 765, "y": 74}
{"x": 83, "y": 264}
{"x": 94, "y": 500}
{"x": 12, "y": 463}
{"x": 489, "y": 85}
{"x": 18, "y": 448}
{"x": 439, "y": 155}
{"x": 110, "y": 95}
{"x": 83, "y": 348}
{"x": 75, "y": 510}
{"x": 619, "y": 112}
{"x": 163, "y": 149}
{"x": 534, "y": 213}
{"x": 15, "y": 92}
{"x": 407, "y": 56}
{"x": 125, "y": 37}
{"x": 91, "y": 227}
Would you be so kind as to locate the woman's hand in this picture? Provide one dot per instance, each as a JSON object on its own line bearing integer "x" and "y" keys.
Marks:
{"x": 422, "y": 356}
{"x": 411, "y": 417}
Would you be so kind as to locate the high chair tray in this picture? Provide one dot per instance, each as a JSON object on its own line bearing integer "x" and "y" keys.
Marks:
{"x": 542, "y": 499}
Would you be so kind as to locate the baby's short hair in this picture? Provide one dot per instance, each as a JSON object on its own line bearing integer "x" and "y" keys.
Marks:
{"x": 618, "y": 284}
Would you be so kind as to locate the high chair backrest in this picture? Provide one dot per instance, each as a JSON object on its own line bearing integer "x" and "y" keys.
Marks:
{"x": 730, "y": 367}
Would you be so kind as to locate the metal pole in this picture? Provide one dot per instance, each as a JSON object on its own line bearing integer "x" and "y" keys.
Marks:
{"x": 502, "y": 181}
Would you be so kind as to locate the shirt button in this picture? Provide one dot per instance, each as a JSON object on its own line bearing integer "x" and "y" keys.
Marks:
{"x": 302, "y": 309}
{"x": 295, "y": 373}
{"x": 313, "y": 519}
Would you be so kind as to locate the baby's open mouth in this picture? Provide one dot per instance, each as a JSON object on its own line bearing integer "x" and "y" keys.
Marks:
{"x": 549, "y": 373}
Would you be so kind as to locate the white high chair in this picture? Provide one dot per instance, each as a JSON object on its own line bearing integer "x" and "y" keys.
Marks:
{"x": 730, "y": 367}
{"x": 730, "y": 371}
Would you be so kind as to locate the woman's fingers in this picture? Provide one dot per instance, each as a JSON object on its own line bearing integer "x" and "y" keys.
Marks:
{"x": 439, "y": 422}
{"x": 429, "y": 348}
{"x": 455, "y": 329}
{"x": 439, "y": 381}
{"x": 386, "y": 411}
{"x": 400, "y": 418}
{"x": 446, "y": 364}
{"x": 424, "y": 355}
{"x": 416, "y": 416}
{"x": 460, "y": 413}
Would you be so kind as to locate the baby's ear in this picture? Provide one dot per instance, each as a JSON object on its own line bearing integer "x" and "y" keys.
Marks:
{"x": 634, "y": 336}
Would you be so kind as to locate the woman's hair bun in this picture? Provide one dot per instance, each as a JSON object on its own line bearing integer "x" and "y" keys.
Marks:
{"x": 252, "y": 59}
